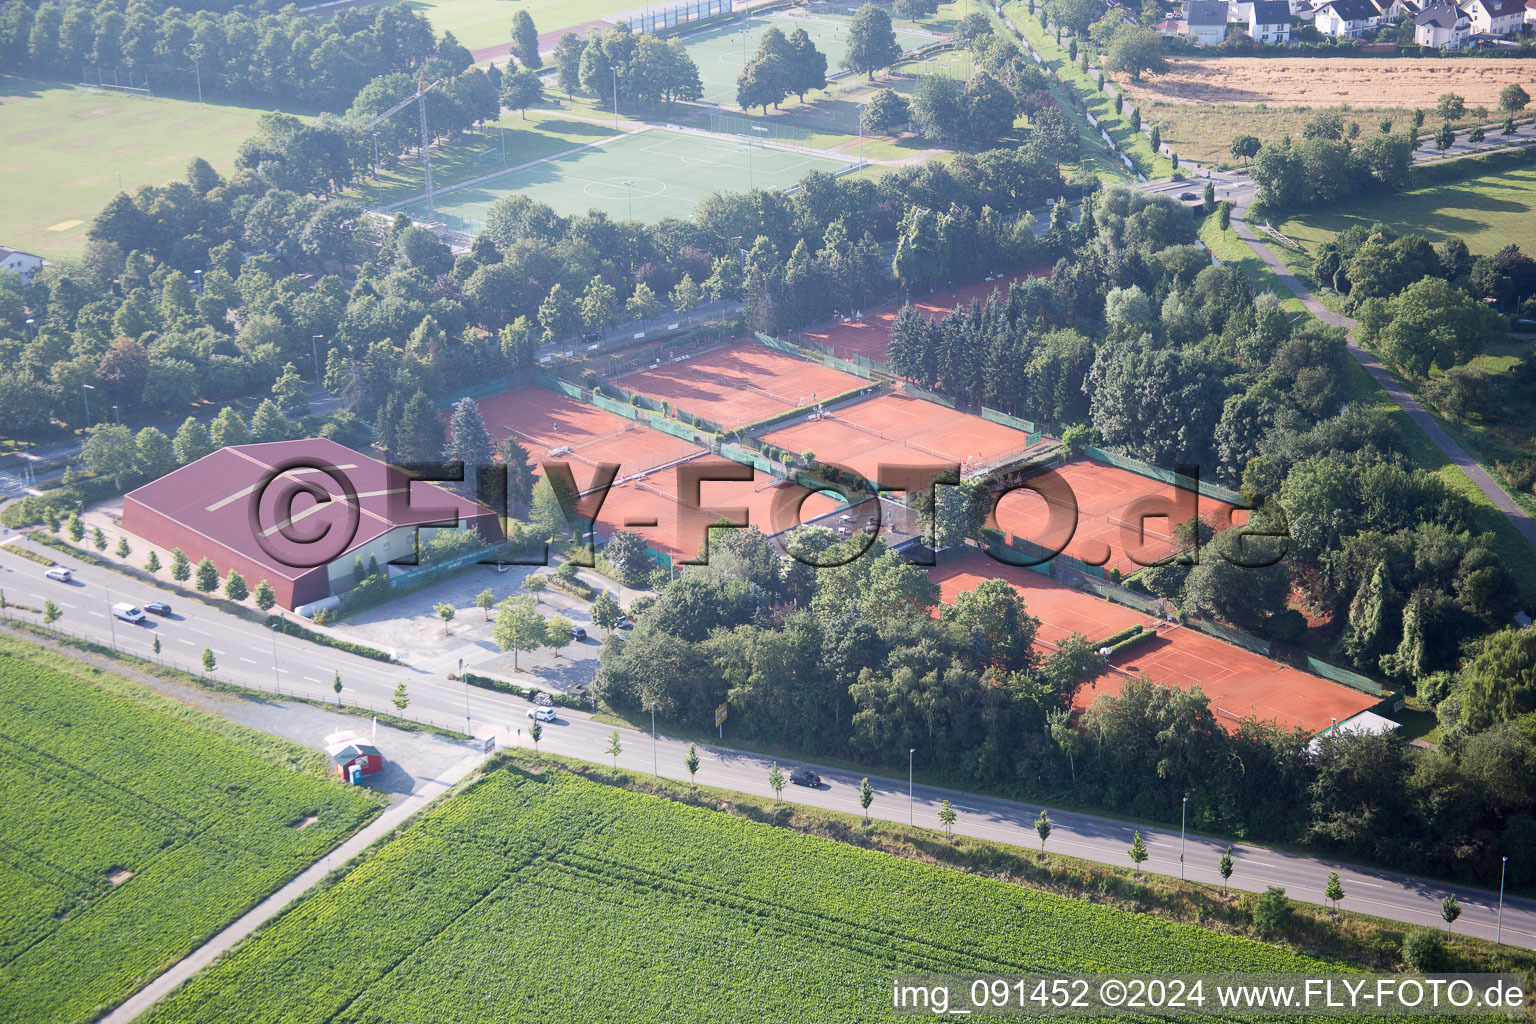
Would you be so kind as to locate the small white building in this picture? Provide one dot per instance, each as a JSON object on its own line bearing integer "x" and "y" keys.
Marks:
{"x": 1269, "y": 22}
{"x": 1205, "y": 21}
{"x": 1495, "y": 17}
{"x": 1442, "y": 26}
{"x": 1366, "y": 723}
{"x": 23, "y": 263}
{"x": 1348, "y": 19}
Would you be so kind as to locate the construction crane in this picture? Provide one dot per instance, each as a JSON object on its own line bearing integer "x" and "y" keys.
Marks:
{"x": 419, "y": 97}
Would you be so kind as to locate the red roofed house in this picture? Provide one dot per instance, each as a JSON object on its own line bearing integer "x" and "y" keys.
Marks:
{"x": 347, "y": 751}
{"x": 296, "y": 514}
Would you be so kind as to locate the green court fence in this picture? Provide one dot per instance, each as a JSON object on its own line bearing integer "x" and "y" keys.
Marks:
{"x": 1207, "y": 490}
{"x": 565, "y": 387}
{"x": 737, "y": 453}
{"x": 1232, "y": 636}
{"x": 607, "y": 404}
{"x": 929, "y": 396}
{"x": 1353, "y": 680}
{"x": 1008, "y": 421}
{"x": 1144, "y": 603}
{"x": 410, "y": 577}
{"x": 788, "y": 348}
{"x": 677, "y": 429}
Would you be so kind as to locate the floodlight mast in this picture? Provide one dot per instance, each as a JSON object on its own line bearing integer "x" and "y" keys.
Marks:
{"x": 418, "y": 97}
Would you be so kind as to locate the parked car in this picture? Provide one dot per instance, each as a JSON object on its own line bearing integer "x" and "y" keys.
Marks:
{"x": 59, "y": 573}
{"x": 577, "y": 633}
{"x": 805, "y": 777}
{"x": 127, "y": 612}
{"x": 1187, "y": 197}
{"x": 622, "y": 622}
{"x": 158, "y": 608}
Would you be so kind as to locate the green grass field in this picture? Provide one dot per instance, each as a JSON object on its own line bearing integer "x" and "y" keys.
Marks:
{"x": 483, "y": 23}
{"x": 670, "y": 171}
{"x": 62, "y": 149}
{"x": 133, "y": 827}
{"x": 1487, "y": 212}
{"x": 553, "y": 897}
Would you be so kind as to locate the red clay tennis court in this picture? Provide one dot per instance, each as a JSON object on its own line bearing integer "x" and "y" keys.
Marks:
{"x": 555, "y": 426}
{"x": 740, "y": 383}
{"x": 1108, "y": 504}
{"x": 898, "y": 429}
{"x": 650, "y": 506}
{"x": 870, "y": 335}
{"x": 1239, "y": 683}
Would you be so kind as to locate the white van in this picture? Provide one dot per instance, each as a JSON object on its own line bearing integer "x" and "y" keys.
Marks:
{"x": 127, "y": 612}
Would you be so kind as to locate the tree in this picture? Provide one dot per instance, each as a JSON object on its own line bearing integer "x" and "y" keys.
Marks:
{"x": 1450, "y": 107}
{"x": 265, "y": 597}
{"x": 336, "y": 686}
{"x": 599, "y": 305}
{"x": 1424, "y": 951}
{"x": 446, "y": 612}
{"x": 1245, "y": 147}
{"x": 209, "y": 661}
{"x": 776, "y": 780}
{"x": 234, "y": 586}
{"x": 288, "y": 390}
{"x": 1498, "y": 679}
{"x": 808, "y": 65}
{"x": 485, "y": 601}
{"x": 1134, "y": 52}
{"x": 687, "y": 295}
{"x": 98, "y": 539}
{"x": 109, "y": 452}
{"x": 536, "y": 585}
{"x": 75, "y": 527}
{"x": 1043, "y": 828}
{"x": 521, "y": 89}
{"x": 1445, "y": 137}
{"x": 401, "y": 699}
{"x": 1513, "y": 98}
{"x": 871, "y": 42}
{"x": 153, "y": 455}
{"x": 419, "y": 434}
{"x": 469, "y": 440}
{"x": 181, "y": 569}
{"x": 866, "y": 797}
{"x": 557, "y": 633}
{"x": 51, "y": 612}
{"x": 558, "y": 315}
{"x": 642, "y": 304}
{"x": 605, "y": 611}
{"x": 1450, "y": 910}
{"x": 1334, "y": 891}
{"x": 947, "y": 817}
{"x": 155, "y": 645}
{"x": 1138, "y": 851}
{"x": 937, "y": 107}
{"x": 1476, "y": 134}
{"x": 152, "y": 563}
{"x": 268, "y": 424}
{"x": 615, "y": 747}
{"x": 1271, "y": 911}
{"x": 1156, "y": 138}
{"x": 535, "y": 730}
{"x": 568, "y": 62}
{"x": 207, "y": 577}
{"x": 691, "y": 761}
{"x": 1224, "y": 869}
{"x": 519, "y": 627}
{"x": 525, "y": 41}
{"x": 886, "y": 113}
{"x": 228, "y": 429}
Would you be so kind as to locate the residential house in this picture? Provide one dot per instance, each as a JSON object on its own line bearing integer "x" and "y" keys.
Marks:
{"x": 1269, "y": 22}
{"x": 1347, "y": 18}
{"x": 1530, "y": 12}
{"x": 1206, "y": 21}
{"x": 23, "y": 263}
{"x": 1239, "y": 11}
{"x": 1442, "y": 26}
{"x": 1495, "y": 17}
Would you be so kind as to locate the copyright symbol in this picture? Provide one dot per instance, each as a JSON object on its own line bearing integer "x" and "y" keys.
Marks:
{"x": 1112, "y": 992}
{"x": 304, "y": 535}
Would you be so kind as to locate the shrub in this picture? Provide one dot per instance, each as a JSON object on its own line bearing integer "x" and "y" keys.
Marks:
{"x": 1424, "y": 950}
{"x": 1272, "y": 911}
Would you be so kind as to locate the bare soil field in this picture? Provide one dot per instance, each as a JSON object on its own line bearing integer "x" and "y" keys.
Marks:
{"x": 1329, "y": 81}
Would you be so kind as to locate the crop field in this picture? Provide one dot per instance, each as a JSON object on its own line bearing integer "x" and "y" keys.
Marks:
{"x": 647, "y": 175}
{"x": 1204, "y": 131}
{"x": 1487, "y": 212}
{"x": 133, "y": 827}
{"x": 62, "y": 149}
{"x": 1329, "y": 81}
{"x": 551, "y": 897}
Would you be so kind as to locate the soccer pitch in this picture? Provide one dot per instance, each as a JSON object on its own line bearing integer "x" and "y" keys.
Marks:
{"x": 722, "y": 52}
{"x": 648, "y": 175}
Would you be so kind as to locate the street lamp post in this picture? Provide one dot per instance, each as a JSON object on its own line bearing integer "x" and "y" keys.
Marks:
{"x": 31, "y": 328}
{"x": 629, "y": 191}
{"x": 1183, "y": 816}
{"x": 119, "y": 180}
{"x": 467, "y": 730}
{"x": 615, "y": 69}
{"x": 314, "y": 351}
{"x": 654, "y": 770}
{"x": 116, "y": 416}
{"x": 1498, "y": 934}
{"x": 111, "y": 619}
{"x": 198, "y": 276}
{"x": 910, "y": 752}
{"x": 375, "y": 156}
{"x": 277, "y": 682}
{"x": 87, "y": 398}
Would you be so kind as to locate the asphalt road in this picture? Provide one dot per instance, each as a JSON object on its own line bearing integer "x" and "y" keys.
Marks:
{"x": 245, "y": 655}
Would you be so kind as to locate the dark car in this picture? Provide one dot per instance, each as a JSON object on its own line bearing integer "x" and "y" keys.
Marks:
{"x": 1186, "y": 197}
{"x": 804, "y": 777}
{"x": 577, "y": 633}
{"x": 158, "y": 608}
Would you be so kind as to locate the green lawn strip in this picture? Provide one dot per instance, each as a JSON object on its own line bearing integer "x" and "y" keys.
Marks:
{"x": 557, "y": 892}
{"x": 64, "y": 148}
{"x": 135, "y": 828}
{"x": 1097, "y": 102}
{"x": 1231, "y": 250}
{"x": 478, "y": 24}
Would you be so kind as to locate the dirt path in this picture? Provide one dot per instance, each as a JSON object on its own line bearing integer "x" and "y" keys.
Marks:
{"x": 1389, "y": 382}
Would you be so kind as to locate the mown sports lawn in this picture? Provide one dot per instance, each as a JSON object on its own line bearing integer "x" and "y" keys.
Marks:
{"x": 551, "y": 897}
{"x": 133, "y": 827}
{"x": 478, "y": 24}
{"x": 1487, "y": 212}
{"x": 648, "y": 175}
{"x": 62, "y": 149}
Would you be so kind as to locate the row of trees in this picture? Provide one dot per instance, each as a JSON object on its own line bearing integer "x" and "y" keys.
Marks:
{"x": 285, "y": 56}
